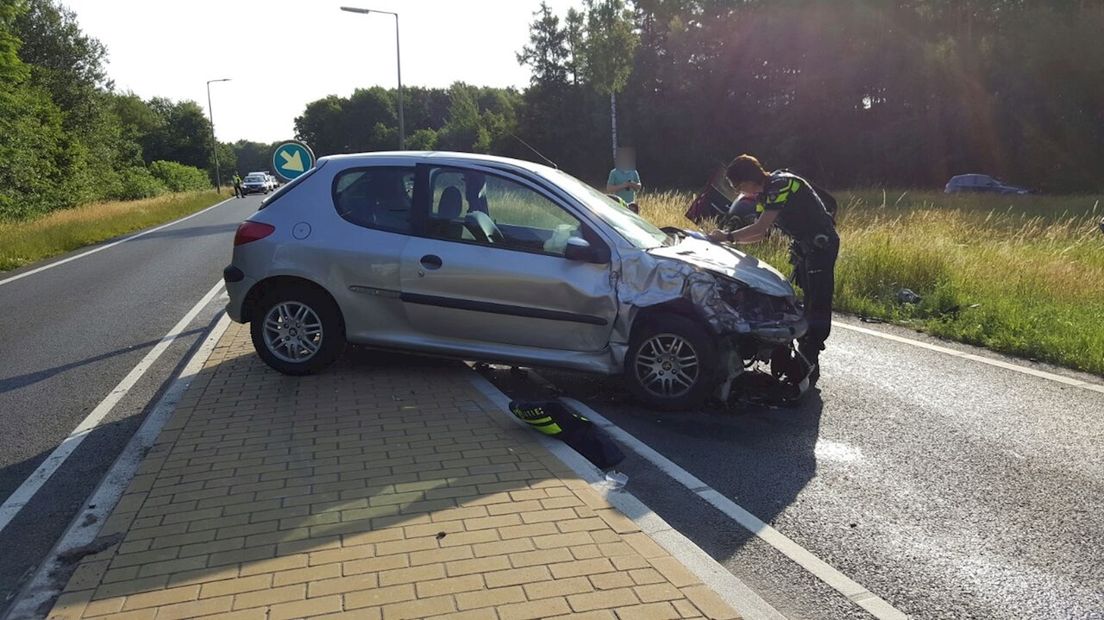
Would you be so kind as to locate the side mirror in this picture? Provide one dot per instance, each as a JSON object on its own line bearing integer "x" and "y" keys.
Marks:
{"x": 579, "y": 249}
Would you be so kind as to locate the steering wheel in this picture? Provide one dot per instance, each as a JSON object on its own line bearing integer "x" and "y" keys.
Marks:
{"x": 483, "y": 228}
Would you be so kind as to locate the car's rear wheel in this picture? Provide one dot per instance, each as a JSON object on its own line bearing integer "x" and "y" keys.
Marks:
{"x": 671, "y": 363}
{"x": 297, "y": 330}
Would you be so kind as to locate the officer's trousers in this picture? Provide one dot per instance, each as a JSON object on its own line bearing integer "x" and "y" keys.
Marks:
{"x": 816, "y": 275}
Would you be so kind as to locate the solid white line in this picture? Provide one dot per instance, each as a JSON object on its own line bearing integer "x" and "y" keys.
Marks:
{"x": 726, "y": 585}
{"x": 859, "y": 595}
{"x": 109, "y": 245}
{"x": 19, "y": 498}
{"x": 50, "y": 577}
{"x": 1095, "y": 387}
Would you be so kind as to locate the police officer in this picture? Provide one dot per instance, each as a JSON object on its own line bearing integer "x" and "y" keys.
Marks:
{"x": 237, "y": 186}
{"x": 789, "y": 202}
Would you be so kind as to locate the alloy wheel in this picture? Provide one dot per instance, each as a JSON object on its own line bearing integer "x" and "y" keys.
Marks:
{"x": 292, "y": 332}
{"x": 666, "y": 365}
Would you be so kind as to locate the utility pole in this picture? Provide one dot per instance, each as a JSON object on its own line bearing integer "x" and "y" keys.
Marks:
{"x": 214, "y": 141}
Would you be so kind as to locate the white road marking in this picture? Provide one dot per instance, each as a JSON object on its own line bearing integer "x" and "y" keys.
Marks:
{"x": 107, "y": 246}
{"x": 726, "y": 585}
{"x": 855, "y": 592}
{"x": 1042, "y": 374}
{"x": 19, "y": 498}
{"x": 84, "y": 528}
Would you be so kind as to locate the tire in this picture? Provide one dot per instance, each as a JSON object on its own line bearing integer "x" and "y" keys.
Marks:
{"x": 310, "y": 309}
{"x": 685, "y": 367}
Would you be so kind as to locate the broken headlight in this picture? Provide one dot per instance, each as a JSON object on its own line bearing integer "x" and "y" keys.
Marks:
{"x": 757, "y": 307}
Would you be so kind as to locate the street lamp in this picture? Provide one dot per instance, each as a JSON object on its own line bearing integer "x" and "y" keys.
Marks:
{"x": 398, "y": 63}
{"x": 214, "y": 141}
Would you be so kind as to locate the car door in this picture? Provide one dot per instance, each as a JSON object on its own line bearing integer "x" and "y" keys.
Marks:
{"x": 360, "y": 249}
{"x": 490, "y": 266}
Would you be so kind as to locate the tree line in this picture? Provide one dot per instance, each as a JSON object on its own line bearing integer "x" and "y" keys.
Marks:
{"x": 850, "y": 92}
{"x": 67, "y": 137}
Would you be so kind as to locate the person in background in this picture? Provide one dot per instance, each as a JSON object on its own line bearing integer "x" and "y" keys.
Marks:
{"x": 237, "y": 185}
{"x": 624, "y": 180}
{"x": 790, "y": 203}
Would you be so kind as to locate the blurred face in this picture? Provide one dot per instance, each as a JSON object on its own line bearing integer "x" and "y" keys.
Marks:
{"x": 626, "y": 159}
{"x": 748, "y": 187}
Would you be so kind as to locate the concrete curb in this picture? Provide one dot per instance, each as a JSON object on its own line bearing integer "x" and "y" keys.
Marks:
{"x": 727, "y": 586}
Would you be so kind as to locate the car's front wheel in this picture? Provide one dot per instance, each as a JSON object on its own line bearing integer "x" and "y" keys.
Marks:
{"x": 297, "y": 330}
{"x": 671, "y": 363}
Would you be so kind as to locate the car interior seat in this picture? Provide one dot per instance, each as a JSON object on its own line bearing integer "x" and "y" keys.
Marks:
{"x": 447, "y": 222}
{"x": 451, "y": 204}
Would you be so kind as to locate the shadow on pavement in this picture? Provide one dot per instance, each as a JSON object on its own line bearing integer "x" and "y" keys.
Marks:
{"x": 19, "y": 381}
{"x": 189, "y": 232}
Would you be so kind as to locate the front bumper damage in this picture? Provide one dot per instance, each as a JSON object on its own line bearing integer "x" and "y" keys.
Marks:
{"x": 750, "y": 307}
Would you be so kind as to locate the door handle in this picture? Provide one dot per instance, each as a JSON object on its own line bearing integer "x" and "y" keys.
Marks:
{"x": 432, "y": 261}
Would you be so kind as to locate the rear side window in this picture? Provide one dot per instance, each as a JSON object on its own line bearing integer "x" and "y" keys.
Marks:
{"x": 380, "y": 197}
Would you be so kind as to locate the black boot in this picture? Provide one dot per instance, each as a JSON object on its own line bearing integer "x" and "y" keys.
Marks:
{"x": 811, "y": 353}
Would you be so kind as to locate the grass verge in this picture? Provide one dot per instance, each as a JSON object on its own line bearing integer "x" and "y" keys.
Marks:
{"x": 1018, "y": 275}
{"x": 62, "y": 231}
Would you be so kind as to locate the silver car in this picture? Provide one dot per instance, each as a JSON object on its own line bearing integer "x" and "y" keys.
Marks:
{"x": 256, "y": 183}
{"x": 487, "y": 258}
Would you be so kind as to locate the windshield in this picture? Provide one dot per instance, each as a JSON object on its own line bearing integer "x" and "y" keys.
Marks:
{"x": 253, "y": 179}
{"x": 636, "y": 230}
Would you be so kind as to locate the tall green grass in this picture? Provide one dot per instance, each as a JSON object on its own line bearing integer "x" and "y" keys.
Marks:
{"x": 23, "y": 242}
{"x": 1019, "y": 275}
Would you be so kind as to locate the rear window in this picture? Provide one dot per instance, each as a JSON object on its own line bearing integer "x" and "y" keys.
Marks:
{"x": 380, "y": 197}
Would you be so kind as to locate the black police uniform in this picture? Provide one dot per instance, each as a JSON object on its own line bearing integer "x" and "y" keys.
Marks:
{"x": 803, "y": 217}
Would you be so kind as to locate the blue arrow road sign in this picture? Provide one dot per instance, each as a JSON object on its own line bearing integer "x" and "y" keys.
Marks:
{"x": 292, "y": 159}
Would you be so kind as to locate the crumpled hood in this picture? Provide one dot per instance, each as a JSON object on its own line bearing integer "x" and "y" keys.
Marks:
{"x": 730, "y": 263}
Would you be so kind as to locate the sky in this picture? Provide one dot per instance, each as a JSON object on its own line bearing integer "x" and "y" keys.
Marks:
{"x": 282, "y": 54}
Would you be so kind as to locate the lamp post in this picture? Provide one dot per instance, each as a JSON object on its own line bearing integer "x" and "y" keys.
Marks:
{"x": 214, "y": 141}
{"x": 398, "y": 67}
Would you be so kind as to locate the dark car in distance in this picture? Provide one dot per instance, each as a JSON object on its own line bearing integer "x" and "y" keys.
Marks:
{"x": 981, "y": 184}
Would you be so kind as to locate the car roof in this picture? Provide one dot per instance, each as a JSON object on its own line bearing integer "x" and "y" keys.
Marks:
{"x": 441, "y": 158}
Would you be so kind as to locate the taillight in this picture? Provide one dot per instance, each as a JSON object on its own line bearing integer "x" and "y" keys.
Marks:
{"x": 252, "y": 231}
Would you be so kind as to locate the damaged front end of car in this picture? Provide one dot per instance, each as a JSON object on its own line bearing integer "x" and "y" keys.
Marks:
{"x": 747, "y": 305}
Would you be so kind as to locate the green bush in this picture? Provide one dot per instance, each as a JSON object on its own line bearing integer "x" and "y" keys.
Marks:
{"x": 34, "y": 153}
{"x": 422, "y": 140}
{"x": 138, "y": 182}
{"x": 179, "y": 178}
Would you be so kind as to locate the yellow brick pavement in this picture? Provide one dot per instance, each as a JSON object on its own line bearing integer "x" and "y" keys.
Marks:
{"x": 369, "y": 491}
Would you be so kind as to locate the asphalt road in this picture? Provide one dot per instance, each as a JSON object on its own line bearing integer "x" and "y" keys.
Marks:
{"x": 950, "y": 488}
{"x": 70, "y": 334}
